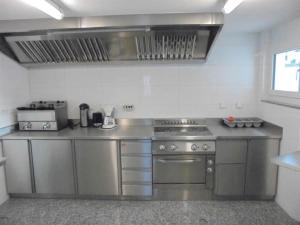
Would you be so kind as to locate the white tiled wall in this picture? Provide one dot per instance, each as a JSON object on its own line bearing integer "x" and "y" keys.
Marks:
{"x": 14, "y": 89}
{"x": 280, "y": 39}
{"x": 170, "y": 90}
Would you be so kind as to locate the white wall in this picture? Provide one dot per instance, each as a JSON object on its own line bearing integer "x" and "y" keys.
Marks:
{"x": 282, "y": 38}
{"x": 186, "y": 90}
{"x": 14, "y": 91}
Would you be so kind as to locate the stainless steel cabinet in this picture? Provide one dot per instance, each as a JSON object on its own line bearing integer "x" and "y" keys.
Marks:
{"x": 261, "y": 175}
{"x": 53, "y": 166}
{"x": 230, "y": 180}
{"x": 244, "y": 168}
{"x": 230, "y": 167}
{"x": 97, "y": 167}
{"x": 231, "y": 151}
{"x": 18, "y": 173}
{"x": 136, "y": 160}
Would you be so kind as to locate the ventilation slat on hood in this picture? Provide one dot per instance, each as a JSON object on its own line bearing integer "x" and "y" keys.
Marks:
{"x": 64, "y": 51}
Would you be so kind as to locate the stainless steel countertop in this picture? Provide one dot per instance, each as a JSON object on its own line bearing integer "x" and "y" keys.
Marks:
{"x": 145, "y": 131}
{"x": 220, "y": 131}
{"x": 120, "y": 132}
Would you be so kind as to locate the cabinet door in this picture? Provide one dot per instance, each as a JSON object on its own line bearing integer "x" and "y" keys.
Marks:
{"x": 97, "y": 167}
{"x": 261, "y": 176}
{"x": 231, "y": 151}
{"x": 18, "y": 175}
{"x": 230, "y": 179}
{"x": 53, "y": 166}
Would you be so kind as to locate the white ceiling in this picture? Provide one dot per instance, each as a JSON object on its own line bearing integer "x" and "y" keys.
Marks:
{"x": 250, "y": 16}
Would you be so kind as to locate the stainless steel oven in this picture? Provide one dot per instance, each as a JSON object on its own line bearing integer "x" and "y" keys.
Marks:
{"x": 179, "y": 169}
{"x": 183, "y": 169}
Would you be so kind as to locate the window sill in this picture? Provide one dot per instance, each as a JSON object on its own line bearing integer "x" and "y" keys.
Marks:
{"x": 293, "y": 106}
{"x": 285, "y": 94}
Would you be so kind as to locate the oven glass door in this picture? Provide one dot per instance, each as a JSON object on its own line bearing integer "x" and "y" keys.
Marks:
{"x": 179, "y": 169}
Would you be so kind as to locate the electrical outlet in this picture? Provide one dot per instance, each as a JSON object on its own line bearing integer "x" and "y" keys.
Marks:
{"x": 239, "y": 105}
{"x": 128, "y": 108}
{"x": 222, "y": 105}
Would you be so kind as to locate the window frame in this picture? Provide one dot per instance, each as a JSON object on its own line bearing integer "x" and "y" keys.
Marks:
{"x": 280, "y": 93}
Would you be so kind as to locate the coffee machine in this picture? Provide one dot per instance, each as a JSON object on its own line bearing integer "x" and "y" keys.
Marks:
{"x": 109, "y": 122}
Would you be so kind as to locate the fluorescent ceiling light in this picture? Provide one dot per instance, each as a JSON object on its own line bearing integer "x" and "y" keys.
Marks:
{"x": 230, "y": 5}
{"x": 47, "y": 7}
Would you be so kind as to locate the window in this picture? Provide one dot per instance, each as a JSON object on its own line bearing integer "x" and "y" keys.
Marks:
{"x": 286, "y": 74}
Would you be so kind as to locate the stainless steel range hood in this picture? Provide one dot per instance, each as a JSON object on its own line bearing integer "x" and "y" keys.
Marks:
{"x": 169, "y": 37}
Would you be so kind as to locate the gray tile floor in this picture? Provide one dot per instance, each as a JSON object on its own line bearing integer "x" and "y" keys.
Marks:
{"x": 92, "y": 212}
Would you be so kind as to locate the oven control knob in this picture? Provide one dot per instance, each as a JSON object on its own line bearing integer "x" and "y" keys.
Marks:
{"x": 209, "y": 170}
{"x": 46, "y": 126}
{"x": 210, "y": 162}
{"x": 172, "y": 147}
{"x": 194, "y": 147}
{"x": 205, "y": 147}
{"x": 27, "y": 126}
{"x": 162, "y": 147}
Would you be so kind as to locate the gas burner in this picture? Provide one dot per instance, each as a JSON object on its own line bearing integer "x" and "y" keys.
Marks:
{"x": 182, "y": 129}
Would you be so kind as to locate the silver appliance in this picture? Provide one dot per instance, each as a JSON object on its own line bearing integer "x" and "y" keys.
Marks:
{"x": 43, "y": 115}
{"x": 183, "y": 160}
{"x": 143, "y": 38}
{"x": 109, "y": 121}
{"x": 84, "y": 115}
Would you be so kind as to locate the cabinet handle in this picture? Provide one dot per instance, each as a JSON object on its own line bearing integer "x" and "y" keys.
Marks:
{"x": 178, "y": 160}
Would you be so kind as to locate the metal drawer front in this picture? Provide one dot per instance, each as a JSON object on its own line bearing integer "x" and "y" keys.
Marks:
{"x": 137, "y": 176}
{"x": 179, "y": 169}
{"x": 136, "y": 147}
{"x": 136, "y": 161}
{"x": 137, "y": 190}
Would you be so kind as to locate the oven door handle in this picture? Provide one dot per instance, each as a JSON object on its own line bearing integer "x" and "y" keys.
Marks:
{"x": 178, "y": 160}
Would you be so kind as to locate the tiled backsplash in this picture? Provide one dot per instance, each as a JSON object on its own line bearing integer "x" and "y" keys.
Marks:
{"x": 14, "y": 89}
{"x": 224, "y": 85}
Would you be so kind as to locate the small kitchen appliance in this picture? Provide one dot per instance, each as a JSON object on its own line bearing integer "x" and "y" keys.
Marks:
{"x": 43, "y": 115}
{"x": 97, "y": 119}
{"x": 109, "y": 122}
{"x": 84, "y": 114}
